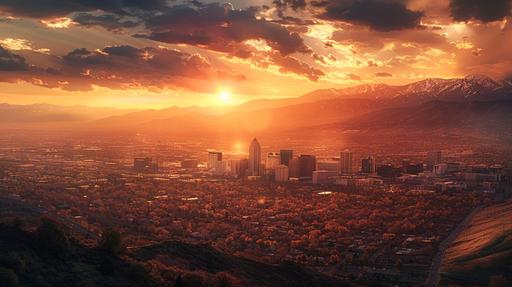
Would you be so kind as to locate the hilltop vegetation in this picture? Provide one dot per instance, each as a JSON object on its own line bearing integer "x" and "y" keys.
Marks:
{"x": 48, "y": 256}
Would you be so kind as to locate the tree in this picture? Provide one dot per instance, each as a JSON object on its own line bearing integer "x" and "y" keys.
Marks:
{"x": 8, "y": 278}
{"x": 52, "y": 239}
{"x": 111, "y": 242}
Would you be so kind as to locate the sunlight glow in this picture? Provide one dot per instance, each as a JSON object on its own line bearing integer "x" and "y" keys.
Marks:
{"x": 224, "y": 97}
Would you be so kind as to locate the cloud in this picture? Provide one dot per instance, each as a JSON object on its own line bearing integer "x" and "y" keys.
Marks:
{"x": 21, "y": 44}
{"x": 110, "y": 22}
{"x": 293, "y": 65}
{"x": 294, "y": 4}
{"x": 11, "y": 62}
{"x": 379, "y": 15}
{"x": 119, "y": 67}
{"x": 485, "y": 11}
{"x": 383, "y": 74}
{"x": 220, "y": 28}
{"x": 46, "y": 9}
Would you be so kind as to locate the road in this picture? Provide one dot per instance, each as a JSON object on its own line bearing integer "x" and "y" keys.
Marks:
{"x": 434, "y": 276}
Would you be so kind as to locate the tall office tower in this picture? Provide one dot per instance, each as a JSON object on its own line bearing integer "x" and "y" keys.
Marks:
{"x": 433, "y": 158}
{"x": 293, "y": 168}
{"x": 273, "y": 160}
{"x": 286, "y": 156}
{"x": 346, "y": 162}
{"x": 281, "y": 173}
{"x": 369, "y": 165}
{"x": 244, "y": 166}
{"x": 234, "y": 167}
{"x": 255, "y": 158}
{"x": 213, "y": 158}
{"x": 307, "y": 164}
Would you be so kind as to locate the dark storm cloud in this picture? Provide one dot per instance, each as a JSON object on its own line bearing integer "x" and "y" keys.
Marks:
{"x": 220, "y": 28}
{"x": 485, "y": 11}
{"x": 294, "y": 4}
{"x": 111, "y": 22}
{"x": 379, "y": 15}
{"x": 81, "y": 69}
{"x": 294, "y": 66}
{"x": 58, "y": 8}
{"x": 11, "y": 62}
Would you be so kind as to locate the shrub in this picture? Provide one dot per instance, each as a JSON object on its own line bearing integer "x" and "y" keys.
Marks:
{"x": 52, "y": 239}
{"x": 8, "y": 278}
{"x": 111, "y": 242}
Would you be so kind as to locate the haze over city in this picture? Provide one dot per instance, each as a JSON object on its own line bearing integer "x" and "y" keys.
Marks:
{"x": 255, "y": 143}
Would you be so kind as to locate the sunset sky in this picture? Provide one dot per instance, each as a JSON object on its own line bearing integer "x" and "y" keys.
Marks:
{"x": 157, "y": 53}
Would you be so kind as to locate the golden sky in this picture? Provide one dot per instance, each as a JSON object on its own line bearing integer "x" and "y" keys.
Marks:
{"x": 157, "y": 53}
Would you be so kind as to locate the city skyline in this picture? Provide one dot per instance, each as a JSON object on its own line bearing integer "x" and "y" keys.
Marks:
{"x": 255, "y": 143}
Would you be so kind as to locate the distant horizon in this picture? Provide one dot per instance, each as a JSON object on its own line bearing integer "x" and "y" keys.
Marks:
{"x": 232, "y": 105}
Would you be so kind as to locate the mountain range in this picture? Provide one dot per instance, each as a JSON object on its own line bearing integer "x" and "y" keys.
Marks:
{"x": 475, "y": 101}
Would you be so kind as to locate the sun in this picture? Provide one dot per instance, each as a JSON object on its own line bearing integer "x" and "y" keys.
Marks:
{"x": 224, "y": 97}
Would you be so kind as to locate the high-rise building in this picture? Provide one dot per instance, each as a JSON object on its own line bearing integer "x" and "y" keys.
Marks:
{"x": 238, "y": 167}
{"x": 323, "y": 176}
{"x": 220, "y": 167}
{"x": 213, "y": 158}
{"x": 369, "y": 165}
{"x": 346, "y": 162}
{"x": 273, "y": 160}
{"x": 329, "y": 164}
{"x": 293, "y": 168}
{"x": 281, "y": 173}
{"x": 307, "y": 164}
{"x": 433, "y": 158}
{"x": 286, "y": 156}
{"x": 189, "y": 163}
{"x": 255, "y": 158}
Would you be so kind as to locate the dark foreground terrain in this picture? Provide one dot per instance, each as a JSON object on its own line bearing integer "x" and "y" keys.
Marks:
{"x": 49, "y": 256}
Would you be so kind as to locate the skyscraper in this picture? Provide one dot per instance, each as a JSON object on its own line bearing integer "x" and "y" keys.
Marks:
{"x": 213, "y": 158}
{"x": 433, "y": 158}
{"x": 293, "y": 170}
{"x": 281, "y": 173}
{"x": 273, "y": 160}
{"x": 368, "y": 165}
{"x": 307, "y": 164}
{"x": 286, "y": 156}
{"x": 255, "y": 158}
{"x": 346, "y": 162}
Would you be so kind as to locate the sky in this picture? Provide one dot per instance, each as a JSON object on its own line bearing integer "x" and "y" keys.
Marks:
{"x": 158, "y": 53}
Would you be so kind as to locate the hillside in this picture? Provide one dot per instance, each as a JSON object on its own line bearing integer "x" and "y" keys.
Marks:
{"x": 483, "y": 250}
{"x": 333, "y": 106}
{"x": 203, "y": 257}
{"x": 437, "y": 114}
{"x": 49, "y": 257}
{"x": 46, "y": 113}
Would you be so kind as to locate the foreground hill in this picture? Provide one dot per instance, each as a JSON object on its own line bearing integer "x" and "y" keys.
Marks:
{"x": 482, "y": 254}
{"x": 252, "y": 273}
{"x": 48, "y": 257}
